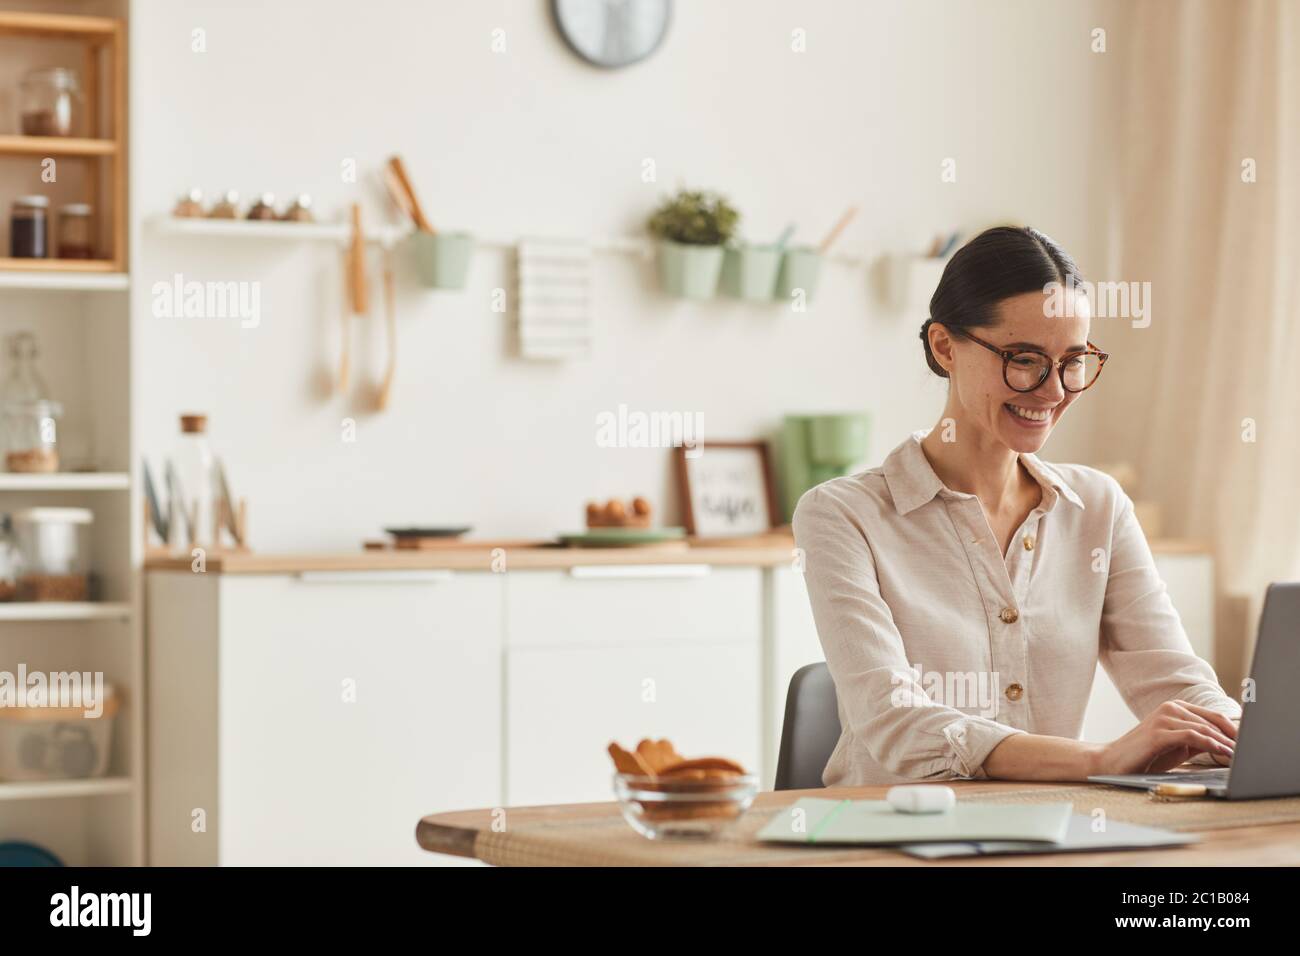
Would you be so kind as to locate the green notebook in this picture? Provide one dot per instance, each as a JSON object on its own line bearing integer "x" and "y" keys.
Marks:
{"x": 815, "y": 820}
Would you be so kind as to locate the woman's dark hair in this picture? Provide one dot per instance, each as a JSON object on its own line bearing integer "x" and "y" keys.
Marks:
{"x": 997, "y": 264}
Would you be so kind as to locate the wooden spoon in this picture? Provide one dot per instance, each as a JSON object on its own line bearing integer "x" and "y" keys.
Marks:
{"x": 390, "y": 319}
{"x": 417, "y": 212}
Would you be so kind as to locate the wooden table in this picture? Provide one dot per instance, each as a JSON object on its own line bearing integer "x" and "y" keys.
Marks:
{"x": 595, "y": 834}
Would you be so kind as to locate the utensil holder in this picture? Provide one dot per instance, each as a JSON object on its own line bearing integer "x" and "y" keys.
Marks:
{"x": 443, "y": 258}
{"x": 749, "y": 272}
{"x": 800, "y": 269}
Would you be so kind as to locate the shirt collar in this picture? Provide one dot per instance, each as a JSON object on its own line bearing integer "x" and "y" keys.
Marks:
{"x": 912, "y": 481}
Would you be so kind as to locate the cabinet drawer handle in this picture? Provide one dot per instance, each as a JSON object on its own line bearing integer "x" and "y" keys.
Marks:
{"x": 374, "y": 577}
{"x": 639, "y": 570}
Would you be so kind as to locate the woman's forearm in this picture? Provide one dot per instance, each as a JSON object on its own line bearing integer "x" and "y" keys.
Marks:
{"x": 1040, "y": 757}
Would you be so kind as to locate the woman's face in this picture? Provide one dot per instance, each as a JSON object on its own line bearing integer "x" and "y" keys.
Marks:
{"x": 1020, "y": 420}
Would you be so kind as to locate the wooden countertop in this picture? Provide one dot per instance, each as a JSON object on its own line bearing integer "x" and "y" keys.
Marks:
{"x": 466, "y": 556}
{"x": 772, "y": 551}
{"x": 584, "y": 834}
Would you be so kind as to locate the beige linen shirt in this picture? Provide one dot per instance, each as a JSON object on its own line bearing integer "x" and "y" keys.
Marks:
{"x": 941, "y": 647}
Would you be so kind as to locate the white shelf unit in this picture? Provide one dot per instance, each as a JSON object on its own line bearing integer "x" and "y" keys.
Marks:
{"x": 65, "y": 611}
{"x": 54, "y": 789}
{"x": 82, "y": 323}
{"x": 66, "y": 481}
{"x": 336, "y": 232}
{"x": 66, "y": 281}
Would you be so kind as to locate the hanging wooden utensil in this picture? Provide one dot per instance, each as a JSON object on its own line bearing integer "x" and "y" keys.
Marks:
{"x": 390, "y": 320}
{"x": 398, "y": 195}
{"x": 417, "y": 212}
{"x": 357, "y": 298}
{"x": 360, "y": 292}
{"x": 838, "y": 228}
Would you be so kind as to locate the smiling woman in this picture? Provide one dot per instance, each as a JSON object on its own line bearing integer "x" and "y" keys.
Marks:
{"x": 964, "y": 553}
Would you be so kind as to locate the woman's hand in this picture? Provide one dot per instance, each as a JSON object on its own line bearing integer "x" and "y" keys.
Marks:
{"x": 1170, "y": 735}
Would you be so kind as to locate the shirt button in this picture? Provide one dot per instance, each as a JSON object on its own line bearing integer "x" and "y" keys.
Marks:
{"x": 1029, "y": 542}
{"x": 1014, "y": 691}
{"x": 1009, "y": 615}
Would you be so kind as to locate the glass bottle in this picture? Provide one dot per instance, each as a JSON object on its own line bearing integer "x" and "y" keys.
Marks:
{"x": 30, "y": 432}
{"x": 194, "y": 466}
{"x": 10, "y": 560}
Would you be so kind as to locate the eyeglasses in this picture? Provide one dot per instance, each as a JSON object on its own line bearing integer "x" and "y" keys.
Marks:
{"x": 1025, "y": 369}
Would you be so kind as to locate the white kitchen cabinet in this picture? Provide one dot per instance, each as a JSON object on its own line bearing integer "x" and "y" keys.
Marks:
{"x": 616, "y": 654}
{"x": 315, "y": 718}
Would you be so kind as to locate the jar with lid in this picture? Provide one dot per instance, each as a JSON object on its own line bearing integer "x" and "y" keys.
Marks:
{"x": 299, "y": 210}
{"x": 264, "y": 208}
{"x": 53, "y": 545}
{"x": 76, "y": 231}
{"x": 49, "y": 102}
{"x": 29, "y": 233}
{"x": 29, "y": 416}
{"x": 190, "y": 206}
{"x": 227, "y": 207}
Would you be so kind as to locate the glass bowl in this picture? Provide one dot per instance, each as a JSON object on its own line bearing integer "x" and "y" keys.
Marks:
{"x": 664, "y": 808}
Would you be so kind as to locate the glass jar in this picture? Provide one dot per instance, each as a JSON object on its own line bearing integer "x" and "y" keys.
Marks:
{"x": 31, "y": 442}
{"x": 76, "y": 231}
{"x": 264, "y": 208}
{"x": 29, "y": 417}
{"x": 299, "y": 210}
{"x": 53, "y": 544}
{"x": 190, "y": 206}
{"x": 29, "y": 228}
{"x": 10, "y": 560}
{"x": 227, "y": 207}
{"x": 49, "y": 102}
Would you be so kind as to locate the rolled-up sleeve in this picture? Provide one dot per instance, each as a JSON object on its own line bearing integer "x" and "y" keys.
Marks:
{"x": 882, "y": 700}
{"x": 1144, "y": 647}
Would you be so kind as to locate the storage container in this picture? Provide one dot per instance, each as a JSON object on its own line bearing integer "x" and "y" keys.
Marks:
{"x": 76, "y": 231}
{"x": 54, "y": 547}
{"x": 55, "y": 742}
{"x": 29, "y": 228}
{"x": 50, "y": 102}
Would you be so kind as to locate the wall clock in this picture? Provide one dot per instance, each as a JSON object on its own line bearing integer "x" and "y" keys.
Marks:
{"x": 612, "y": 33}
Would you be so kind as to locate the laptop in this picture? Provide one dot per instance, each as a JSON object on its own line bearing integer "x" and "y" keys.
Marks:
{"x": 1266, "y": 760}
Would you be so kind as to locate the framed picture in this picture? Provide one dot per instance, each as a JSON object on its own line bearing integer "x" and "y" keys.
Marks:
{"x": 727, "y": 489}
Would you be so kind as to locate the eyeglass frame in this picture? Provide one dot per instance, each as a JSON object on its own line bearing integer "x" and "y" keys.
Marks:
{"x": 1008, "y": 354}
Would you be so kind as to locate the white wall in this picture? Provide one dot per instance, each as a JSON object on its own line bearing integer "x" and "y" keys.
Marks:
{"x": 532, "y": 141}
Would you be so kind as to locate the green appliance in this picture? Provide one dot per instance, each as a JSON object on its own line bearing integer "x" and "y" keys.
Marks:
{"x": 816, "y": 448}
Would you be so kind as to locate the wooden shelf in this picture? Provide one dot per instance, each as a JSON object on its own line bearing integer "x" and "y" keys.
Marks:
{"x": 64, "y": 611}
{"x": 14, "y": 145}
{"x": 50, "y": 789}
{"x": 16, "y": 23}
{"x": 65, "y": 481}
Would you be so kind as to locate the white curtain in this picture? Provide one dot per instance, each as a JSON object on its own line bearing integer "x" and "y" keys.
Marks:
{"x": 1209, "y": 98}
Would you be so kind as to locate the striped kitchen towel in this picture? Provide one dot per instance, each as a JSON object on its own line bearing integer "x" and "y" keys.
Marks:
{"x": 554, "y": 298}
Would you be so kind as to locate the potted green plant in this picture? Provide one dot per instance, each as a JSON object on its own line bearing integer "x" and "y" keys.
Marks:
{"x": 691, "y": 228}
